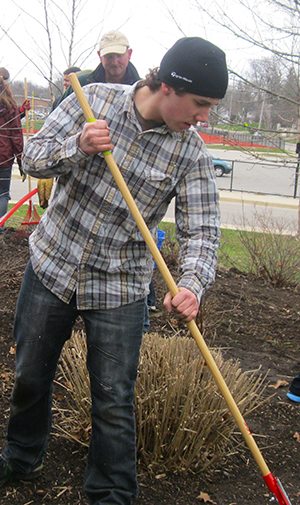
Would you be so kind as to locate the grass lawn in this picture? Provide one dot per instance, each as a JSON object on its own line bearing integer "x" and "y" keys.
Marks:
{"x": 231, "y": 251}
{"x": 234, "y": 249}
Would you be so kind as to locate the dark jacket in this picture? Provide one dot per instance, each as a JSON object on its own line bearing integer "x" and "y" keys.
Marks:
{"x": 98, "y": 75}
{"x": 11, "y": 137}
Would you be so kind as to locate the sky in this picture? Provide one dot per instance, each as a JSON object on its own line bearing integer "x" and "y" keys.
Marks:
{"x": 152, "y": 27}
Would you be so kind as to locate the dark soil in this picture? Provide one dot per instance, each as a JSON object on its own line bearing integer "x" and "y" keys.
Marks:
{"x": 253, "y": 323}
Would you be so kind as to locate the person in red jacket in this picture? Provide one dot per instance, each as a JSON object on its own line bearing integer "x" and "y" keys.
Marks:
{"x": 11, "y": 140}
{"x": 26, "y": 103}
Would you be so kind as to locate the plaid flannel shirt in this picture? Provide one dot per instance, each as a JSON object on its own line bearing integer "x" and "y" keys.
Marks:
{"x": 87, "y": 241}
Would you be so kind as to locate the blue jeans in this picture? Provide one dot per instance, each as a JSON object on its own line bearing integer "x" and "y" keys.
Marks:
{"x": 147, "y": 318}
{"x": 150, "y": 301}
{"x": 5, "y": 179}
{"x": 43, "y": 323}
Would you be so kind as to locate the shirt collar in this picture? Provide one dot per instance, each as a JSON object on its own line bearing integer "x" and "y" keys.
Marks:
{"x": 125, "y": 104}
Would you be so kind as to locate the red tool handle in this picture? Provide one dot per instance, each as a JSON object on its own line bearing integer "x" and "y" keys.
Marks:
{"x": 15, "y": 207}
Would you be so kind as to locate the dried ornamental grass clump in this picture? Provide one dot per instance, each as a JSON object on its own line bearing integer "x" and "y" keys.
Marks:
{"x": 75, "y": 421}
{"x": 182, "y": 420}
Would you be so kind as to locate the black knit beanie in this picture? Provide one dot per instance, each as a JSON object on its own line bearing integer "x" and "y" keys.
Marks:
{"x": 195, "y": 66}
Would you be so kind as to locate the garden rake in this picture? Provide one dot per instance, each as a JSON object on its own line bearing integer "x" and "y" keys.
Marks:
{"x": 17, "y": 206}
{"x": 32, "y": 217}
{"x": 272, "y": 482}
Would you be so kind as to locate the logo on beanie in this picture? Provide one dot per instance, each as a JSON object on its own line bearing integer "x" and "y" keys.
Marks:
{"x": 173, "y": 74}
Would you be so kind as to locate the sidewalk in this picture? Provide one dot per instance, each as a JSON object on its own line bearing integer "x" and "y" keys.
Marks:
{"x": 225, "y": 195}
{"x": 285, "y": 202}
{"x": 18, "y": 189}
{"x": 236, "y": 206}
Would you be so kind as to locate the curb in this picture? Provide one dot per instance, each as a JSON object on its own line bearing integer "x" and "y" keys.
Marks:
{"x": 243, "y": 198}
{"x": 262, "y": 200}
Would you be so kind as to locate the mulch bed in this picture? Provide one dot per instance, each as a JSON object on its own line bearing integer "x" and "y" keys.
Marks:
{"x": 253, "y": 323}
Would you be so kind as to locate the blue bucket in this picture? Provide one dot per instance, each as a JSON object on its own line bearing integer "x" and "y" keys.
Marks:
{"x": 160, "y": 238}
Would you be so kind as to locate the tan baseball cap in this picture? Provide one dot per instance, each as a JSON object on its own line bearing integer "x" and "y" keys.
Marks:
{"x": 113, "y": 42}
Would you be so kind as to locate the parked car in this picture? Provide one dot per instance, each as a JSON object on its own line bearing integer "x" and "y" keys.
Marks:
{"x": 221, "y": 166}
{"x": 40, "y": 115}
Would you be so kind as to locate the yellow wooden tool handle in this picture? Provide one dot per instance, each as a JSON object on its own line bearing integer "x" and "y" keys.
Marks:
{"x": 27, "y": 128}
{"x": 172, "y": 285}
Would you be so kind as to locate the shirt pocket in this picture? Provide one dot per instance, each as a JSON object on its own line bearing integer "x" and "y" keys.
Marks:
{"x": 158, "y": 180}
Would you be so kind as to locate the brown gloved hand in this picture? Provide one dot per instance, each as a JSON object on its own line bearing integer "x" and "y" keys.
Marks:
{"x": 22, "y": 174}
{"x": 44, "y": 187}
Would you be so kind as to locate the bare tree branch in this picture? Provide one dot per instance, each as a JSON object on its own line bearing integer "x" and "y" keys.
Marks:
{"x": 266, "y": 90}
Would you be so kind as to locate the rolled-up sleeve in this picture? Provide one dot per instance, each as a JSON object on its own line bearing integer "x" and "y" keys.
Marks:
{"x": 54, "y": 150}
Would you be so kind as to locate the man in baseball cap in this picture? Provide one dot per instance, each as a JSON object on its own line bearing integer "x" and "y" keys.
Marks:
{"x": 113, "y": 42}
{"x": 115, "y": 54}
{"x": 115, "y": 67}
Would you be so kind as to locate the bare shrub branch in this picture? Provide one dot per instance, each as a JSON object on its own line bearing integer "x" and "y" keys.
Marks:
{"x": 273, "y": 252}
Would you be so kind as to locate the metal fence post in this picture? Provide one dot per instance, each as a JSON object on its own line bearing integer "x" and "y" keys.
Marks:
{"x": 297, "y": 170}
{"x": 231, "y": 177}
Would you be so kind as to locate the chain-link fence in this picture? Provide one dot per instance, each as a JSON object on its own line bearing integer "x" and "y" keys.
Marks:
{"x": 278, "y": 178}
{"x": 255, "y": 139}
